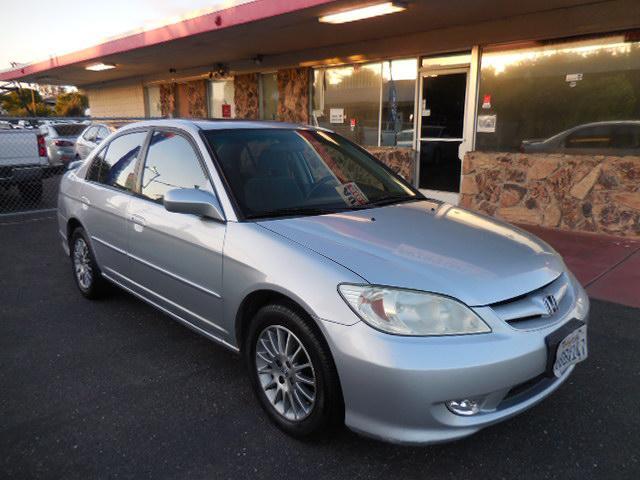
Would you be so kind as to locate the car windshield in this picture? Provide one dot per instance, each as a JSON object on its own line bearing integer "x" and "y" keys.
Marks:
{"x": 69, "y": 130}
{"x": 280, "y": 172}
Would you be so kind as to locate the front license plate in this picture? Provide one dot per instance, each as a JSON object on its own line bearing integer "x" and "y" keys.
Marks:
{"x": 571, "y": 350}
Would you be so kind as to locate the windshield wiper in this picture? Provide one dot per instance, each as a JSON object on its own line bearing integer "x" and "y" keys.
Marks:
{"x": 388, "y": 200}
{"x": 290, "y": 211}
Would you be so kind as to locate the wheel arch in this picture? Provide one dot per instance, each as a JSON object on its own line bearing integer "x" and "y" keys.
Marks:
{"x": 72, "y": 224}
{"x": 265, "y": 296}
{"x": 257, "y": 299}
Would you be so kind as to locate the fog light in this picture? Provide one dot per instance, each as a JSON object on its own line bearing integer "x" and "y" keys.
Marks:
{"x": 465, "y": 407}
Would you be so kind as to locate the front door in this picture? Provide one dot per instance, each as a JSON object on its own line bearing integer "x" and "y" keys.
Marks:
{"x": 176, "y": 257}
{"x": 442, "y": 131}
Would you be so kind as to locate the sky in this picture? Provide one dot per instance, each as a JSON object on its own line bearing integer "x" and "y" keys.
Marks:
{"x": 44, "y": 28}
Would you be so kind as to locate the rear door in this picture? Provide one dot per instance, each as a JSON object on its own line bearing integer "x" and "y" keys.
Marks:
{"x": 105, "y": 197}
{"x": 176, "y": 258}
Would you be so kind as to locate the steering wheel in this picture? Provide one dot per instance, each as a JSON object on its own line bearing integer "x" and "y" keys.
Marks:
{"x": 319, "y": 184}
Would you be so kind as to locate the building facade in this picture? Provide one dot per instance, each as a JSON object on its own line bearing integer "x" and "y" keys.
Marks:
{"x": 527, "y": 112}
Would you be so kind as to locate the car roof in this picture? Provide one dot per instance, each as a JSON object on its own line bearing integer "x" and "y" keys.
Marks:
{"x": 608, "y": 122}
{"x": 218, "y": 124}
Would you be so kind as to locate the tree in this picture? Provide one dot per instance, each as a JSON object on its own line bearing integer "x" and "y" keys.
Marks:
{"x": 21, "y": 103}
{"x": 72, "y": 104}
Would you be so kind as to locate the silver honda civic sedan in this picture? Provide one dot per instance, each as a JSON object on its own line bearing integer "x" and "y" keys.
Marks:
{"x": 352, "y": 298}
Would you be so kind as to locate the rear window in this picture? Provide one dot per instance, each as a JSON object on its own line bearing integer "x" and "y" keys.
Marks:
{"x": 71, "y": 130}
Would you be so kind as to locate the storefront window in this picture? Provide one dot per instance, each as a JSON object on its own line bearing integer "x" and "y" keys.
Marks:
{"x": 347, "y": 100}
{"x": 269, "y": 96}
{"x": 578, "y": 97}
{"x": 398, "y": 98}
{"x": 371, "y": 104}
{"x": 152, "y": 99}
{"x": 221, "y": 103}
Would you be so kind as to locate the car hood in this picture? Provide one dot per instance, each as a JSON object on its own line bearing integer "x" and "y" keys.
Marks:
{"x": 429, "y": 246}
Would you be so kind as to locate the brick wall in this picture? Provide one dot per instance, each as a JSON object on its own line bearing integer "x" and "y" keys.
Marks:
{"x": 591, "y": 193}
{"x": 117, "y": 101}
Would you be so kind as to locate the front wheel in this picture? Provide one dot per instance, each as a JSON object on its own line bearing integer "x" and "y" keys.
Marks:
{"x": 292, "y": 372}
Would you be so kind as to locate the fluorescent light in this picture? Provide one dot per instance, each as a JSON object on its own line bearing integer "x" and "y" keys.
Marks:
{"x": 364, "y": 12}
{"x": 98, "y": 67}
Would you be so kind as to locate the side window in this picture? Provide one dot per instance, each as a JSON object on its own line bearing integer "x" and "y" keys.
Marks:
{"x": 90, "y": 134}
{"x": 171, "y": 163}
{"x": 590, "y": 137}
{"x": 116, "y": 167}
{"x": 626, "y": 136}
{"x": 101, "y": 134}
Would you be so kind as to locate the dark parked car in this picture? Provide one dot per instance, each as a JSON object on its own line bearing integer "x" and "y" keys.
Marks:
{"x": 621, "y": 136}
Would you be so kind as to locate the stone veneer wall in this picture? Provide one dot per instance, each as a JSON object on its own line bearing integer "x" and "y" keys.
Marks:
{"x": 293, "y": 95}
{"x": 197, "y": 98}
{"x": 401, "y": 160}
{"x": 168, "y": 99}
{"x": 246, "y": 96}
{"x": 590, "y": 193}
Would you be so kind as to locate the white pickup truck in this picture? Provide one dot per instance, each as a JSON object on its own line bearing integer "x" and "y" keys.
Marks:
{"x": 23, "y": 162}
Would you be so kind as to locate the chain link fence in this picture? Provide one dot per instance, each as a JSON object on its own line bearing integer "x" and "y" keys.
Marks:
{"x": 35, "y": 153}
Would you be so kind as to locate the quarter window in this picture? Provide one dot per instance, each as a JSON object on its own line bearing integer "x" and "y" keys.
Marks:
{"x": 171, "y": 163}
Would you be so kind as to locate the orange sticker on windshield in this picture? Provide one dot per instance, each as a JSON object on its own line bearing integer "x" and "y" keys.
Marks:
{"x": 351, "y": 194}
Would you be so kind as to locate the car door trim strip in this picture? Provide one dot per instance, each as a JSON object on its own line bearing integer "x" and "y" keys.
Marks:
{"x": 165, "y": 299}
{"x": 159, "y": 269}
{"x": 171, "y": 314}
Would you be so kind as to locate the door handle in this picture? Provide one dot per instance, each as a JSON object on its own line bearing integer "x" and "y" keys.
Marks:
{"x": 85, "y": 200}
{"x": 138, "y": 220}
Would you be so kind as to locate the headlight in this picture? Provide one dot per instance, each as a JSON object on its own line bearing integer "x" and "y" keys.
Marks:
{"x": 407, "y": 312}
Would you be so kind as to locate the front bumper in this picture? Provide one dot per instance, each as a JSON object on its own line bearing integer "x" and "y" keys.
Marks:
{"x": 395, "y": 388}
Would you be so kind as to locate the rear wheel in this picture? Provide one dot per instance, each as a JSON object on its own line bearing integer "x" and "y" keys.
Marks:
{"x": 292, "y": 372}
{"x": 85, "y": 269}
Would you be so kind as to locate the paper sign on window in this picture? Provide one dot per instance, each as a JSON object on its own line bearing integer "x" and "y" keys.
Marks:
{"x": 351, "y": 194}
{"x": 336, "y": 115}
{"x": 487, "y": 123}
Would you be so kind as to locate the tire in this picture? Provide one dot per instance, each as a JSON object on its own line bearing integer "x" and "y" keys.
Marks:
{"x": 326, "y": 411}
{"x": 31, "y": 191}
{"x": 84, "y": 267}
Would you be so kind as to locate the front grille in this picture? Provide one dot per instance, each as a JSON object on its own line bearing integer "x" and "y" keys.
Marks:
{"x": 531, "y": 310}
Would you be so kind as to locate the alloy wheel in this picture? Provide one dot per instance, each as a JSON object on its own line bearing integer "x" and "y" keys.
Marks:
{"x": 286, "y": 373}
{"x": 82, "y": 263}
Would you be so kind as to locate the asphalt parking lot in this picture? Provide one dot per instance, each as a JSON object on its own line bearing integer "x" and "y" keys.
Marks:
{"x": 115, "y": 389}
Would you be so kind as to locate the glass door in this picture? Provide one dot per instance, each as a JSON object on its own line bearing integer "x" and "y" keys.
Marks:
{"x": 442, "y": 131}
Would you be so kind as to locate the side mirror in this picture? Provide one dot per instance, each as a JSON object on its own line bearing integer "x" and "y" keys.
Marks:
{"x": 194, "y": 201}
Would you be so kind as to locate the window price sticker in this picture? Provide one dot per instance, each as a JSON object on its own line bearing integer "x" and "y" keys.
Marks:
{"x": 351, "y": 194}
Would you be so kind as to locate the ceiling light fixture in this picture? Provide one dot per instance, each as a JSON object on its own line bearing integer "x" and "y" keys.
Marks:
{"x": 364, "y": 12}
{"x": 98, "y": 67}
